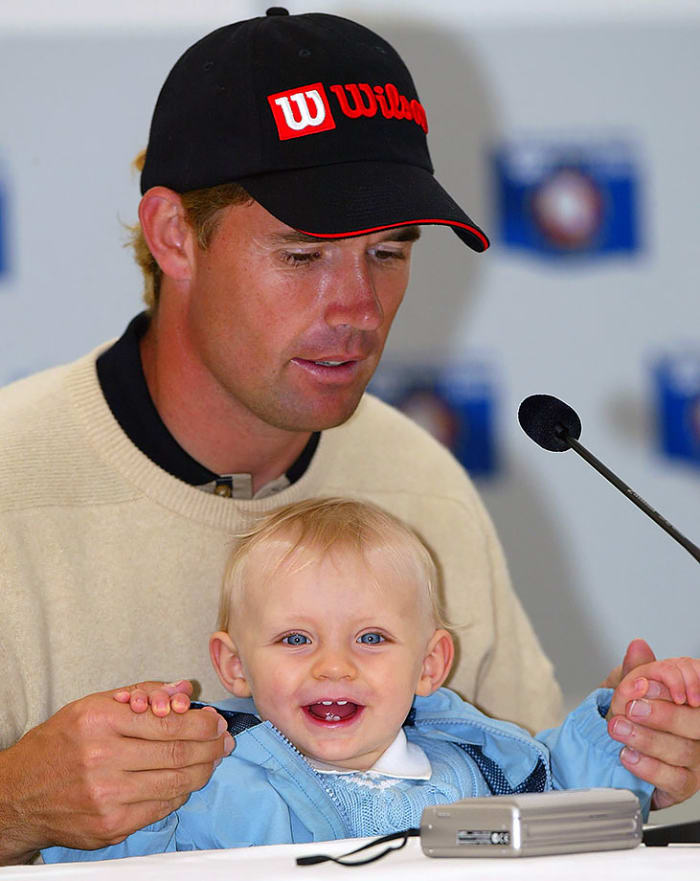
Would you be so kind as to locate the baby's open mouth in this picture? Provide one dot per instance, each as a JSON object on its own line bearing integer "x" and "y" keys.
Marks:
{"x": 332, "y": 711}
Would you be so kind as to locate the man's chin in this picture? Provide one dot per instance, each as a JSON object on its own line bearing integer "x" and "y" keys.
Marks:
{"x": 316, "y": 418}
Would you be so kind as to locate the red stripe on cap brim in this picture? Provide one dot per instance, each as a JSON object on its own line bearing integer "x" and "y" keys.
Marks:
{"x": 432, "y": 221}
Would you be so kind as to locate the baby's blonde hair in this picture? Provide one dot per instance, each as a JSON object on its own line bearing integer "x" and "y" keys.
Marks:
{"x": 322, "y": 526}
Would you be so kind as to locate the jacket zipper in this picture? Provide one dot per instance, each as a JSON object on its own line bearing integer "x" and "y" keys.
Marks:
{"x": 319, "y": 779}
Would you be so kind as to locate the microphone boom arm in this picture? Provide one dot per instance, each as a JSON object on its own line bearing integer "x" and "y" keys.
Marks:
{"x": 579, "y": 448}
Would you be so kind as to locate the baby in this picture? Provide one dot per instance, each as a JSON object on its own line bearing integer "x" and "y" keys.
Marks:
{"x": 332, "y": 642}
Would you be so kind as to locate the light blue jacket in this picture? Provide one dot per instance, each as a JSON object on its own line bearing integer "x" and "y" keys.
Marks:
{"x": 266, "y": 793}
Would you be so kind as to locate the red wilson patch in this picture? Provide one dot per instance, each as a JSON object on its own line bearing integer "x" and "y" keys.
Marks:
{"x": 301, "y": 111}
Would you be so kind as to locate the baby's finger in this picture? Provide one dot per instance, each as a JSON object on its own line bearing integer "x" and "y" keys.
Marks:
{"x": 690, "y": 670}
{"x": 656, "y": 691}
{"x": 179, "y": 692}
{"x": 138, "y": 700}
{"x": 669, "y": 673}
{"x": 180, "y": 703}
{"x": 629, "y": 689}
{"x": 160, "y": 702}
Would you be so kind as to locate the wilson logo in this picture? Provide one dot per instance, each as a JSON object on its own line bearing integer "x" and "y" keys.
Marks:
{"x": 306, "y": 111}
{"x": 300, "y": 112}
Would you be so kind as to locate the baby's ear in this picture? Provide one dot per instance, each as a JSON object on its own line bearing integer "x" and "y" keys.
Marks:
{"x": 227, "y": 663}
{"x": 436, "y": 663}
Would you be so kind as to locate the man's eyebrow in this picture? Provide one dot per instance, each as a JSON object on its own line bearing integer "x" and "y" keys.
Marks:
{"x": 403, "y": 234}
{"x": 295, "y": 236}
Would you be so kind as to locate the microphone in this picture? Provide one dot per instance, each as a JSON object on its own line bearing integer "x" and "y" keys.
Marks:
{"x": 553, "y": 425}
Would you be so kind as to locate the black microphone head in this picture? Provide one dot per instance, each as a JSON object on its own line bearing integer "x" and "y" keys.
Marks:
{"x": 549, "y": 422}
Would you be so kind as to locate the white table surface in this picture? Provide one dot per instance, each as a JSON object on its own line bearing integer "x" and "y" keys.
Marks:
{"x": 277, "y": 862}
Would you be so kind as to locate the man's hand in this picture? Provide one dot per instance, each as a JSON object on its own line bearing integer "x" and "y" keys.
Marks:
{"x": 638, "y": 652}
{"x": 96, "y": 771}
{"x": 658, "y": 720}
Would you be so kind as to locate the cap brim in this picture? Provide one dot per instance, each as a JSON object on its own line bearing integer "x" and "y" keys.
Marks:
{"x": 360, "y": 198}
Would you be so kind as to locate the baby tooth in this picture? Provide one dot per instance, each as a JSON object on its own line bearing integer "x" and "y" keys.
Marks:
{"x": 327, "y": 703}
{"x": 341, "y": 703}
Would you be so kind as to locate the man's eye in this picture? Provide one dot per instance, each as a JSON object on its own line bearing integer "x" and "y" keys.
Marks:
{"x": 299, "y": 258}
{"x": 371, "y": 638}
{"x": 385, "y": 255}
{"x": 295, "y": 639}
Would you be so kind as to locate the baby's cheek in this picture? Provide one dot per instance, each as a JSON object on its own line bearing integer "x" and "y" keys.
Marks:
{"x": 275, "y": 702}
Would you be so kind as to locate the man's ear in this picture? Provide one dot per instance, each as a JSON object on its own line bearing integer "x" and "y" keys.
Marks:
{"x": 167, "y": 233}
{"x": 436, "y": 663}
{"x": 227, "y": 663}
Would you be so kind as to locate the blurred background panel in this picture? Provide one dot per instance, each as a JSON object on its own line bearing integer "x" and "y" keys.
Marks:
{"x": 569, "y": 130}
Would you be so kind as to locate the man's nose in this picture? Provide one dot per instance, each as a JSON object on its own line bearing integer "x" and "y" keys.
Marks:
{"x": 353, "y": 300}
{"x": 334, "y": 664}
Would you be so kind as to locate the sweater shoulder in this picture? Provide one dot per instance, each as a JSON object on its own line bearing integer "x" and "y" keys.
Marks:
{"x": 47, "y": 457}
{"x": 380, "y": 448}
{"x": 24, "y": 402}
{"x": 35, "y": 423}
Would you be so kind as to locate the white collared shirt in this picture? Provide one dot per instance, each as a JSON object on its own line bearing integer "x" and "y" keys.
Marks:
{"x": 400, "y": 759}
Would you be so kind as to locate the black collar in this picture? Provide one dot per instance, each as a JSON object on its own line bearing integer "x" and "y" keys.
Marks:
{"x": 124, "y": 386}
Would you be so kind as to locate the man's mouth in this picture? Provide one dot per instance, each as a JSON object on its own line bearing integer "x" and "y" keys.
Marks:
{"x": 333, "y": 711}
{"x": 334, "y": 371}
{"x": 327, "y": 362}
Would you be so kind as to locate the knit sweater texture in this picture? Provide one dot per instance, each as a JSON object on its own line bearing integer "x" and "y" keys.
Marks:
{"x": 111, "y": 568}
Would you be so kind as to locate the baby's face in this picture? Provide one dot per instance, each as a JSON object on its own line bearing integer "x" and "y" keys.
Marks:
{"x": 334, "y": 653}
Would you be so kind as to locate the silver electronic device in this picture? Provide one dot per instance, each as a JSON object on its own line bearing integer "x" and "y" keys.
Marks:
{"x": 533, "y": 824}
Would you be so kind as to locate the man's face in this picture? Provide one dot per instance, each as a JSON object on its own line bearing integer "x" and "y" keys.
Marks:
{"x": 332, "y": 648}
{"x": 291, "y": 328}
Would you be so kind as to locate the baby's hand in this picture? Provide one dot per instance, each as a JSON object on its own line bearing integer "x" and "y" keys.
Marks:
{"x": 675, "y": 679}
{"x": 162, "y": 697}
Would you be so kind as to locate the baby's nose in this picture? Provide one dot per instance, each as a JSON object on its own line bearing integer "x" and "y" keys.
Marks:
{"x": 334, "y": 665}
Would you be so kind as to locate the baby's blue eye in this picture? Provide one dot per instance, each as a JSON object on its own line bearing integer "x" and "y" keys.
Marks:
{"x": 295, "y": 639}
{"x": 371, "y": 638}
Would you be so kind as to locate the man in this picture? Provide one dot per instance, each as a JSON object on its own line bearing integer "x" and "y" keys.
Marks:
{"x": 285, "y": 178}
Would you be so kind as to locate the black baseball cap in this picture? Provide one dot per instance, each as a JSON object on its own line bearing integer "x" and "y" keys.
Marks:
{"x": 316, "y": 116}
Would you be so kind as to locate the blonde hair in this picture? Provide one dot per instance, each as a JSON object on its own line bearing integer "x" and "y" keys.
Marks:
{"x": 202, "y": 209}
{"x": 322, "y": 526}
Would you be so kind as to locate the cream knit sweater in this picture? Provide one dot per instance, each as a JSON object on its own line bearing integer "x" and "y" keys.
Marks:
{"x": 110, "y": 568}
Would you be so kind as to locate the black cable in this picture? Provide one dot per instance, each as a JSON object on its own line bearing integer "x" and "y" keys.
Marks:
{"x": 675, "y": 833}
{"x": 323, "y": 858}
